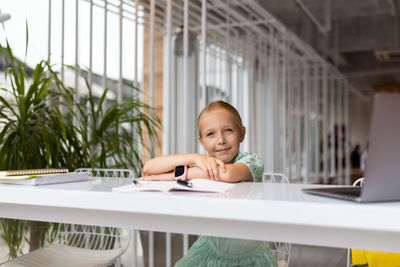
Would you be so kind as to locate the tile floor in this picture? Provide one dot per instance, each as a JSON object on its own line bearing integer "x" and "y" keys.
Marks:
{"x": 301, "y": 256}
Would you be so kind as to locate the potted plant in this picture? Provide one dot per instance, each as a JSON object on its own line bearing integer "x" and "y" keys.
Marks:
{"x": 41, "y": 126}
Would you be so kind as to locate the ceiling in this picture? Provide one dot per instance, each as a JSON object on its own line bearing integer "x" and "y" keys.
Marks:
{"x": 349, "y": 33}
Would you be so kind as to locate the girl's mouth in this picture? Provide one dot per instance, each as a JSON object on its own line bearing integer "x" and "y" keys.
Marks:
{"x": 223, "y": 150}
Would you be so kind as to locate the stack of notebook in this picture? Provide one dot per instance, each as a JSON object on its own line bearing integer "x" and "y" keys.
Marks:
{"x": 42, "y": 176}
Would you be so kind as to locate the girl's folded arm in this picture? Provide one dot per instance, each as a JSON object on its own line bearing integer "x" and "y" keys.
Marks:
{"x": 167, "y": 163}
{"x": 234, "y": 173}
{"x": 193, "y": 173}
{"x": 196, "y": 172}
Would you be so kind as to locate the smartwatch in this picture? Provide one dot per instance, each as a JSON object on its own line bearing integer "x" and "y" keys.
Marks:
{"x": 180, "y": 172}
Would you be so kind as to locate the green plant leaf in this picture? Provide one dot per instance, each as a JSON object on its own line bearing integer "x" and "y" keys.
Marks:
{"x": 45, "y": 125}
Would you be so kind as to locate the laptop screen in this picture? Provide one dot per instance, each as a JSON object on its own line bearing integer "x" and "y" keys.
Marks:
{"x": 383, "y": 164}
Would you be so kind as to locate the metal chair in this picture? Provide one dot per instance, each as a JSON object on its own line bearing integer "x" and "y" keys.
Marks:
{"x": 280, "y": 250}
{"x": 81, "y": 245}
{"x": 108, "y": 173}
{"x": 358, "y": 182}
{"x": 278, "y": 178}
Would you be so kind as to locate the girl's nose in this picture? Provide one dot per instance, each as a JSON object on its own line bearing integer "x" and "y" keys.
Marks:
{"x": 221, "y": 139}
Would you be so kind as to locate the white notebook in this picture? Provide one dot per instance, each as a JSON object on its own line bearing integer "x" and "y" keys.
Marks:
{"x": 43, "y": 179}
{"x": 198, "y": 185}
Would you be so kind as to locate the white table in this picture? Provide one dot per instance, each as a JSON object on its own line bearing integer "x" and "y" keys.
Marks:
{"x": 251, "y": 211}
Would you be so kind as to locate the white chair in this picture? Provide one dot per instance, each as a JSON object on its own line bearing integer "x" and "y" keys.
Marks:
{"x": 278, "y": 178}
{"x": 81, "y": 245}
{"x": 358, "y": 182}
{"x": 108, "y": 173}
{"x": 280, "y": 250}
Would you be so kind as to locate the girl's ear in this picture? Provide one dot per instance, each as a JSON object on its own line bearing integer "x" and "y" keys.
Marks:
{"x": 243, "y": 134}
{"x": 201, "y": 141}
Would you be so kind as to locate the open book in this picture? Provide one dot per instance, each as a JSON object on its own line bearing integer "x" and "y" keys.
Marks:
{"x": 198, "y": 185}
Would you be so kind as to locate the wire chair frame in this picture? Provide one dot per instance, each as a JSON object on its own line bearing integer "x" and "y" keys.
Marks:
{"x": 278, "y": 178}
{"x": 108, "y": 173}
{"x": 74, "y": 244}
{"x": 281, "y": 250}
{"x": 90, "y": 237}
{"x": 358, "y": 182}
{"x": 96, "y": 237}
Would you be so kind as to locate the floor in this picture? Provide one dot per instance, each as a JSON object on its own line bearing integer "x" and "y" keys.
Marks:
{"x": 301, "y": 256}
{"x": 304, "y": 256}
{"x": 3, "y": 251}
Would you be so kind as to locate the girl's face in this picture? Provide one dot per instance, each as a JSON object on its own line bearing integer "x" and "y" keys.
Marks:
{"x": 220, "y": 136}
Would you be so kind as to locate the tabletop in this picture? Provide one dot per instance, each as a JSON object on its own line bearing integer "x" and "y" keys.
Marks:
{"x": 258, "y": 211}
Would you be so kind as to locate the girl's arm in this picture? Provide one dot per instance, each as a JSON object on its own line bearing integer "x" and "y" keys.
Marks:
{"x": 164, "y": 164}
{"x": 238, "y": 172}
{"x": 167, "y": 163}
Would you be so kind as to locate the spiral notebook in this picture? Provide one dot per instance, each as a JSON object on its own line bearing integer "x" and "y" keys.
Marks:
{"x": 32, "y": 171}
{"x": 44, "y": 179}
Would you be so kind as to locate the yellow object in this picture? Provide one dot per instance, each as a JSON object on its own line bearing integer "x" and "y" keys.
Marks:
{"x": 375, "y": 258}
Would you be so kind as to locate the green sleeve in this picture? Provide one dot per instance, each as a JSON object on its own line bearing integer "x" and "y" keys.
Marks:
{"x": 254, "y": 163}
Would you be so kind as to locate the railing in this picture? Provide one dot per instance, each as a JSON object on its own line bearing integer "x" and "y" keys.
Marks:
{"x": 293, "y": 103}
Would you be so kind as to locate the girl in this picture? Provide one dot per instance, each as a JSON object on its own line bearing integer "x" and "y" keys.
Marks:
{"x": 220, "y": 133}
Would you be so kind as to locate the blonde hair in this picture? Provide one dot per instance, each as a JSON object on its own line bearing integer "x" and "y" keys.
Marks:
{"x": 221, "y": 105}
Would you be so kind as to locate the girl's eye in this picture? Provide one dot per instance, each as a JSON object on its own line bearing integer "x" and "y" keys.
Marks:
{"x": 229, "y": 130}
{"x": 210, "y": 134}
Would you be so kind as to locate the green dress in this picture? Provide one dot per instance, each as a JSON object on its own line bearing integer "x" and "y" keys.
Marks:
{"x": 210, "y": 251}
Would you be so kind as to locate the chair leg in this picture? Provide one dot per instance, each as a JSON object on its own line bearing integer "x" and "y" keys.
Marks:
{"x": 116, "y": 263}
{"x": 348, "y": 258}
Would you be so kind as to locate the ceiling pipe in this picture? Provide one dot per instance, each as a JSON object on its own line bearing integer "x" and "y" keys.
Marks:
{"x": 360, "y": 95}
{"x": 309, "y": 52}
{"x": 373, "y": 72}
{"x": 322, "y": 28}
{"x": 312, "y": 55}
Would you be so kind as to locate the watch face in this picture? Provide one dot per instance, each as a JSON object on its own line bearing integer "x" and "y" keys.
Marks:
{"x": 179, "y": 171}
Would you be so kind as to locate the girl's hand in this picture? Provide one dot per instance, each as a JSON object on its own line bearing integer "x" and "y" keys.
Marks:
{"x": 210, "y": 165}
{"x": 158, "y": 177}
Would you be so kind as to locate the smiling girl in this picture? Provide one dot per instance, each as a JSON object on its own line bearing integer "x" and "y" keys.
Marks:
{"x": 220, "y": 133}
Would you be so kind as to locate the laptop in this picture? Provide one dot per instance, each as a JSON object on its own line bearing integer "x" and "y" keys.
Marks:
{"x": 382, "y": 173}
